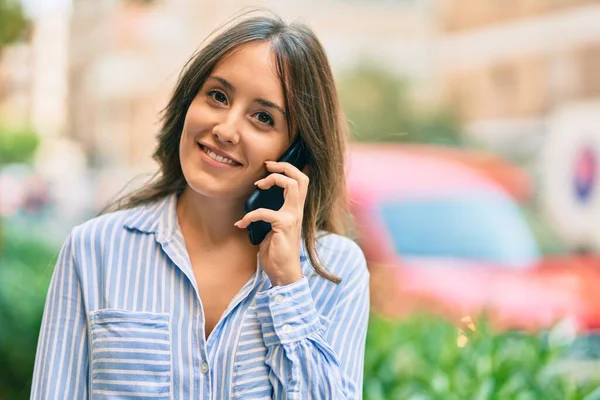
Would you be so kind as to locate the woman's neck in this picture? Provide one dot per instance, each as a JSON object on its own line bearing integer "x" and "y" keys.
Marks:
{"x": 210, "y": 221}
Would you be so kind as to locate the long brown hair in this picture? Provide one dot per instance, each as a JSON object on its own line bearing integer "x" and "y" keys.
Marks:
{"x": 311, "y": 102}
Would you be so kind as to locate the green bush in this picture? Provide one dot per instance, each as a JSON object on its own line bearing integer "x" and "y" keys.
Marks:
{"x": 419, "y": 359}
{"x": 17, "y": 144}
{"x": 379, "y": 108}
{"x": 25, "y": 270}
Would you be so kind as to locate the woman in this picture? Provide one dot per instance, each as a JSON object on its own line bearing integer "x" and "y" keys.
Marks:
{"x": 166, "y": 298}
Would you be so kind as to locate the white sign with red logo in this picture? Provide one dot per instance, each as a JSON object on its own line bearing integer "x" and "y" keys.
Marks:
{"x": 569, "y": 175}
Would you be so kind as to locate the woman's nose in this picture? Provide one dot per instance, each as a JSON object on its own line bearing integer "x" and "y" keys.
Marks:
{"x": 227, "y": 131}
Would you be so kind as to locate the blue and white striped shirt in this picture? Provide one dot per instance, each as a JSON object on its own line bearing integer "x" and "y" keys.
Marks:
{"x": 123, "y": 320}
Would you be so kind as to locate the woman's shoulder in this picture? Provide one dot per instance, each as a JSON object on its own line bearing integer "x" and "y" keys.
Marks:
{"x": 333, "y": 242}
{"x": 341, "y": 255}
{"x": 114, "y": 223}
{"x": 344, "y": 258}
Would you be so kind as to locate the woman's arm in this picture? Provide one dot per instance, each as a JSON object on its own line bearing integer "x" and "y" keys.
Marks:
{"x": 308, "y": 359}
{"x": 61, "y": 363}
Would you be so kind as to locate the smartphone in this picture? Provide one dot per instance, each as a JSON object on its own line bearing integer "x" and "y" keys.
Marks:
{"x": 272, "y": 198}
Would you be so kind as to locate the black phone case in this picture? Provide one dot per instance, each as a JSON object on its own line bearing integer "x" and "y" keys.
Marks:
{"x": 272, "y": 198}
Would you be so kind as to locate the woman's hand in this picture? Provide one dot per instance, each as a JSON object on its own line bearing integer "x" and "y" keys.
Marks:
{"x": 279, "y": 252}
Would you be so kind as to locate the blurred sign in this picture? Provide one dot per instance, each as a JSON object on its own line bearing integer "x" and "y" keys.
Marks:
{"x": 569, "y": 174}
{"x": 585, "y": 174}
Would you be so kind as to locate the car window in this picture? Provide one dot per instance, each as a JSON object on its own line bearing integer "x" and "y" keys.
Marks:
{"x": 485, "y": 227}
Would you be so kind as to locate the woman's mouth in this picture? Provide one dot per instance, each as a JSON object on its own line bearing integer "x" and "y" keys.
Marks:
{"x": 217, "y": 158}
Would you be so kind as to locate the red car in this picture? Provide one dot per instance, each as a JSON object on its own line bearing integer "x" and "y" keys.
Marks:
{"x": 440, "y": 235}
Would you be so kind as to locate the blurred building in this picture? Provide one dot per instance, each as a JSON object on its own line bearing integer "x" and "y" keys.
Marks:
{"x": 125, "y": 57}
{"x": 49, "y": 112}
{"x": 33, "y": 76}
{"x": 115, "y": 69}
{"x": 507, "y": 65}
{"x": 16, "y": 84}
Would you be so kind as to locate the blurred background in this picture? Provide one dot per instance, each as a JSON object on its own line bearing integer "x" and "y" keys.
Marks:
{"x": 473, "y": 172}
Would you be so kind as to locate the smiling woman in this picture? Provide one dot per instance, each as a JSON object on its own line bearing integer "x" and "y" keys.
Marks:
{"x": 164, "y": 295}
{"x": 236, "y": 122}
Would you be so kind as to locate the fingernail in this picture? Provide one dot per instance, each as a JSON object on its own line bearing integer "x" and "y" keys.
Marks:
{"x": 269, "y": 162}
{"x": 256, "y": 183}
{"x": 236, "y": 224}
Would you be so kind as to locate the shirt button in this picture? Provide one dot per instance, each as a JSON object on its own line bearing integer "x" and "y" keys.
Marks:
{"x": 287, "y": 328}
{"x": 204, "y": 368}
{"x": 278, "y": 299}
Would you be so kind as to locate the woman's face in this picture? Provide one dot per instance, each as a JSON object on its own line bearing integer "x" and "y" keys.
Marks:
{"x": 235, "y": 123}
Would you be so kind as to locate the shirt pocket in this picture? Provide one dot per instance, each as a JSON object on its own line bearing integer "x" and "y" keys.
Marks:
{"x": 130, "y": 355}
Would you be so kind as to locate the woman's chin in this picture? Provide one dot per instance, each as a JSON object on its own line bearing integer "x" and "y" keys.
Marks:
{"x": 219, "y": 191}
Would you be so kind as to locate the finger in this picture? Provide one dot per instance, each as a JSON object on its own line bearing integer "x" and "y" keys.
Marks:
{"x": 289, "y": 170}
{"x": 279, "y": 220}
{"x": 290, "y": 187}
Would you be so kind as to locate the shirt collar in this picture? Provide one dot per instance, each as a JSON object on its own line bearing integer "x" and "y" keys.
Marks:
{"x": 159, "y": 217}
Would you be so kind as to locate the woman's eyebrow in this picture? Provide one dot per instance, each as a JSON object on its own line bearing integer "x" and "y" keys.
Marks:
{"x": 223, "y": 82}
{"x": 262, "y": 102}
{"x": 269, "y": 104}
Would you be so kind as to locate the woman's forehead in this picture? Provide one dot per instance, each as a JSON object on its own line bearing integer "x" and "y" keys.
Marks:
{"x": 251, "y": 65}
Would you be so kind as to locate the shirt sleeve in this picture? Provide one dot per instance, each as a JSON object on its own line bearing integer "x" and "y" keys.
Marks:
{"x": 309, "y": 357}
{"x": 61, "y": 363}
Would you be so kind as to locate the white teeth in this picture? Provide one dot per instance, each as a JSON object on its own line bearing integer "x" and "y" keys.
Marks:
{"x": 217, "y": 157}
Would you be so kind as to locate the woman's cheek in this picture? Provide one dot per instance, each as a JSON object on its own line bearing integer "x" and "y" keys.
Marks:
{"x": 195, "y": 115}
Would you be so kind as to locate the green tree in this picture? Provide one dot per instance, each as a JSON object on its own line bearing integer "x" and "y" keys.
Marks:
{"x": 17, "y": 145}
{"x": 379, "y": 108}
{"x": 14, "y": 25}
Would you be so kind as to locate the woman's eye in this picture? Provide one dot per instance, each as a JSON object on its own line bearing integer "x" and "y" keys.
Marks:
{"x": 265, "y": 118}
{"x": 218, "y": 96}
